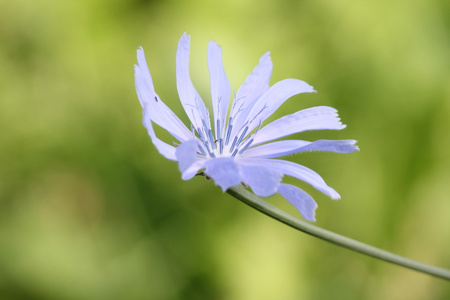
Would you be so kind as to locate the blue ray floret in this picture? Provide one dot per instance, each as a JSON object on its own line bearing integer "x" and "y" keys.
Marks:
{"x": 236, "y": 148}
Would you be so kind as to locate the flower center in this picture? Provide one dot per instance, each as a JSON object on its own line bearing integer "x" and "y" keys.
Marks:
{"x": 228, "y": 146}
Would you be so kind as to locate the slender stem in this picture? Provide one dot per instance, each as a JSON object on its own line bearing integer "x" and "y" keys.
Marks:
{"x": 250, "y": 199}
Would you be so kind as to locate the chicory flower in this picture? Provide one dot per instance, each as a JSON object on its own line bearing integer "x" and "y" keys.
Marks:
{"x": 240, "y": 149}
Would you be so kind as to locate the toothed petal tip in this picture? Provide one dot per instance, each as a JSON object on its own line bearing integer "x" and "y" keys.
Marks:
{"x": 335, "y": 196}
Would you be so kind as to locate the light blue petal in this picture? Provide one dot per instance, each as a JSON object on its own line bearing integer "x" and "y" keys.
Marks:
{"x": 314, "y": 118}
{"x": 189, "y": 160}
{"x": 303, "y": 202}
{"x": 191, "y": 100}
{"x": 274, "y": 149}
{"x": 271, "y": 100}
{"x": 263, "y": 181}
{"x": 255, "y": 85}
{"x": 295, "y": 170}
{"x": 287, "y": 147}
{"x": 186, "y": 154}
{"x": 224, "y": 171}
{"x": 338, "y": 146}
{"x": 220, "y": 87}
{"x": 144, "y": 82}
{"x": 193, "y": 169}
{"x": 166, "y": 150}
{"x": 156, "y": 110}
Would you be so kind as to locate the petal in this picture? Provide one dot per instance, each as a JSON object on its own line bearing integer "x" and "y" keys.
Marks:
{"x": 189, "y": 161}
{"x": 295, "y": 170}
{"x": 191, "y": 100}
{"x": 314, "y": 118}
{"x": 263, "y": 181}
{"x": 275, "y": 149}
{"x": 193, "y": 169}
{"x": 156, "y": 110}
{"x": 287, "y": 147}
{"x": 144, "y": 82}
{"x": 186, "y": 154}
{"x": 224, "y": 171}
{"x": 220, "y": 87}
{"x": 166, "y": 150}
{"x": 338, "y": 146}
{"x": 303, "y": 202}
{"x": 255, "y": 85}
{"x": 271, "y": 100}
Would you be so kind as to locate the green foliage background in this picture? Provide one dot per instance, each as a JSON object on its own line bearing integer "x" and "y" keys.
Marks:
{"x": 90, "y": 210}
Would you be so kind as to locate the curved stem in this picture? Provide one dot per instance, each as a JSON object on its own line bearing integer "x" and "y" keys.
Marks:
{"x": 250, "y": 199}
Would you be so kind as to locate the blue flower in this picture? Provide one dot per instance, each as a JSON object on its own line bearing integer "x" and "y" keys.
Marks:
{"x": 239, "y": 149}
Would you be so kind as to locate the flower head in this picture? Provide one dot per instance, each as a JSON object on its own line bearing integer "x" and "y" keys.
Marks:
{"x": 236, "y": 148}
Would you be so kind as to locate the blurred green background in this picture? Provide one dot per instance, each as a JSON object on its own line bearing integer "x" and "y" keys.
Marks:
{"x": 90, "y": 210}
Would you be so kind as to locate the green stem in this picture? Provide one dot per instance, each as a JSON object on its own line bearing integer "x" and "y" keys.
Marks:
{"x": 270, "y": 210}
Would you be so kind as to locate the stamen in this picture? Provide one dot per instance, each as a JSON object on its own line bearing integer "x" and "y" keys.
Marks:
{"x": 218, "y": 129}
{"x": 211, "y": 138}
{"x": 221, "y": 146}
{"x": 193, "y": 114}
{"x": 209, "y": 149}
{"x": 200, "y": 107}
{"x": 230, "y": 127}
{"x": 200, "y": 134}
{"x": 265, "y": 106}
{"x": 242, "y": 135}
{"x": 200, "y": 147}
{"x": 204, "y": 124}
{"x": 249, "y": 142}
{"x": 234, "y": 143}
{"x": 208, "y": 119}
